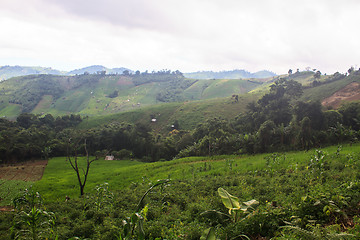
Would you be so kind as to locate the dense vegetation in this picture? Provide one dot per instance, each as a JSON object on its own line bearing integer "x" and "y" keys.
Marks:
{"x": 103, "y": 93}
{"x": 312, "y": 194}
{"x": 298, "y": 194}
{"x": 276, "y": 122}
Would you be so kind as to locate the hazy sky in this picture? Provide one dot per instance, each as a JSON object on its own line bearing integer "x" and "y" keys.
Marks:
{"x": 185, "y": 35}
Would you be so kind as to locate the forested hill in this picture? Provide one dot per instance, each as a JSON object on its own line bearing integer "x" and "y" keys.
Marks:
{"x": 102, "y": 93}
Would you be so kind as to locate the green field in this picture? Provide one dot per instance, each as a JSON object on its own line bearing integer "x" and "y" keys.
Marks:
{"x": 60, "y": 180}
{"x": 188, "y": 114}
{"x": 9, "y": 189}
{"x": 315, "y": 189}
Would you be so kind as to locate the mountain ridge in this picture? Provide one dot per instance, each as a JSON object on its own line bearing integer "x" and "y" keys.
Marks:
{"x": 7, "y": 72}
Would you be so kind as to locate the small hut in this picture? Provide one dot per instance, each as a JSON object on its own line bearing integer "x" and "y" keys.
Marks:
{"x": 109, "y": 157}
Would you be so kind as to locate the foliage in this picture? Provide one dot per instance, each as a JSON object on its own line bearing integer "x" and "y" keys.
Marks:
{"x": 30, "y": 220}
{"x": 317, "y": 233}
{"x": 160, "y": 76}
{"x": 133, "y": 225}
{"x": 288, "y": 191}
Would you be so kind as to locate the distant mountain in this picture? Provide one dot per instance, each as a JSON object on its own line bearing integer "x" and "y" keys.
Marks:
{"x": 15, "y": 71}
{"x": 98, "y": 68}
{"x": 7, "y": 72}
{"x": 234, "y": 74}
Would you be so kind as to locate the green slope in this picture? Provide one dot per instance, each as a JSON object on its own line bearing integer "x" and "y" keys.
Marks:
{"x": 188, "y": 114}
{"x": 99, "y": 94}
{"x": 325, "y": 90}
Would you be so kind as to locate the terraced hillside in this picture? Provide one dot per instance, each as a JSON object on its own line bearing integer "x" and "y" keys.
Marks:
{"x": 100, "y": 94}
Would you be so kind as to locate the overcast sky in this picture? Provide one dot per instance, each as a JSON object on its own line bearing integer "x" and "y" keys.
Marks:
{"x": 185, "y": 35}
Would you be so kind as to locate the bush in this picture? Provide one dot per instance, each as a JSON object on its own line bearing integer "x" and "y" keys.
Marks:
{"x": 123, "y": 154}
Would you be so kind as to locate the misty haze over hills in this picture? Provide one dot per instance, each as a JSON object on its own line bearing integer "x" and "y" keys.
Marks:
{"x": 7, "y": 72}
{"x": 234, "y": 74}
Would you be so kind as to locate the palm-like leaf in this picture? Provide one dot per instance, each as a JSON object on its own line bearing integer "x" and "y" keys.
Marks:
{"x": 209, "y": 234}
{"x": 230, "y": 202}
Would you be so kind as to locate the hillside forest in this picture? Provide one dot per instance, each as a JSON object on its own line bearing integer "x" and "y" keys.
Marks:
{"x": 278, "y": 121}
{"x": 275, "y": 162}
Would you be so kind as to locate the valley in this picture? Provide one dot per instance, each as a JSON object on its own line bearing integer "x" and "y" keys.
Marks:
{"x": 283, "y": 151}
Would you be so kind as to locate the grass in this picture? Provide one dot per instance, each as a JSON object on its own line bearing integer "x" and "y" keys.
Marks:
{"x": 188, "y": 114}
{"x": 59, "y": 179}
{"x": 9, "y": 189}
{"x": 11, "y": 111}
{"x": 285, "y": 184}
{"x": 228, "y": 87}
{"x": 44, "y": 105}
{"x": 323, "y": 91}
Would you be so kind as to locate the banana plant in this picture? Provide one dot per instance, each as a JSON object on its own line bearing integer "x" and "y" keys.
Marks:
{"x": 235, "y": 207}
{"x": 208, "y": 234}
{"x": 134, "y": 225}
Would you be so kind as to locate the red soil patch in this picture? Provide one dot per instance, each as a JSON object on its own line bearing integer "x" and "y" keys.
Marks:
{"x": 349, "y": 93}
{"x": 28, "y": 171}
{"x": 124, "y": 81}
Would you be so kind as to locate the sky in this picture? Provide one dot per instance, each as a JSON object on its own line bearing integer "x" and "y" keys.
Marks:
{"x": 185, "y": 35}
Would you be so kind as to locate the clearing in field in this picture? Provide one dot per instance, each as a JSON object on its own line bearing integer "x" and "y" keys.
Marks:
{"x": 16, "y": 178}
{"x": 28, "y": 171}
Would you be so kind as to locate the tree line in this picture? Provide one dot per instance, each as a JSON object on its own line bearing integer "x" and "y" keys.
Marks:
{"x": 277, "y": 122}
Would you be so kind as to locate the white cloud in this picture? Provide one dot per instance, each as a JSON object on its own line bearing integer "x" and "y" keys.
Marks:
{"x": 185, "y": 35}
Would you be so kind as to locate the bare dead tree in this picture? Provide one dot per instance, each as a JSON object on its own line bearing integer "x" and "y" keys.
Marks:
{"x": 74, "y": 162}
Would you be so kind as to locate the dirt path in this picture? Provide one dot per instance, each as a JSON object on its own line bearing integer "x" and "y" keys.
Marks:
{"x": 28, "y": 171}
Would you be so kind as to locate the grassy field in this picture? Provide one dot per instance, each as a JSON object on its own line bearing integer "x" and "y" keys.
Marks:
{"x": 59, "y": 179}
{"x": 11, "y": 111}
{"x": 299, "y": 188}
{"x": 9, "y": 189}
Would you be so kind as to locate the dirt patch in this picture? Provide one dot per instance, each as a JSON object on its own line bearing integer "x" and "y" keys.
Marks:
{"x": 349, "y": 93}
{"x": 28, "y": 171}
{"x": 44, "y": 103}
{"x": 124, "y": 81}
{"x": 6, "y": 208}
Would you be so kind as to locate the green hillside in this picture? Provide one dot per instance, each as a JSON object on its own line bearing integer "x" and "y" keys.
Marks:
{"x": 329, "y": 86}
{"x": 100, "y": 94}
{"x": 187, "y": 114}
